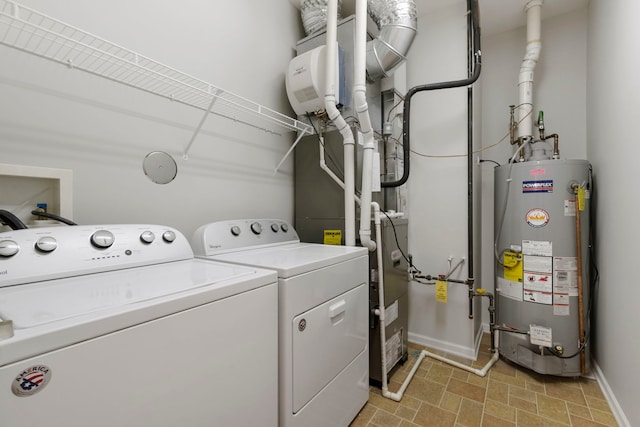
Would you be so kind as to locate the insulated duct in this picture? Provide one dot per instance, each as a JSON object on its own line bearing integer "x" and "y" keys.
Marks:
{"x": 396, "y": 20}
{"x": 314, "y": 14}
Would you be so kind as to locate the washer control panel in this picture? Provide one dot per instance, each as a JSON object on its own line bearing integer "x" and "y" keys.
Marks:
{"x": 228, "y": 236}
{"x": 38, "y": 254}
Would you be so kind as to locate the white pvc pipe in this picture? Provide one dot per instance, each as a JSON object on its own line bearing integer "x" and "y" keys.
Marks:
{"x": 525, "y": 78}
{"x": 480, "y": 372}
{"x": 328, "y": 171}
{"x": 340, "y": 123}
{"x": 397, "y": 396}
{"x": 380, "y": 311}
{"x": 362, "y": 111}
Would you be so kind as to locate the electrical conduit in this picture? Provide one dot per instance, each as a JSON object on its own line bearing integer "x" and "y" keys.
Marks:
{"x": 340, "y": 123}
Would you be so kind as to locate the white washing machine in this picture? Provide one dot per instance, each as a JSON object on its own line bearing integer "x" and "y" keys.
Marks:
{"x": 119, "y": 325}
{"x": 323, "y": 307}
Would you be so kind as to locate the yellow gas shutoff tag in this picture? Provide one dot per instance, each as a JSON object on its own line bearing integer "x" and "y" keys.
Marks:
{"x": 332, "y": 237}
{"x": 581, "y": 197}
{"x": 441, "y": 291}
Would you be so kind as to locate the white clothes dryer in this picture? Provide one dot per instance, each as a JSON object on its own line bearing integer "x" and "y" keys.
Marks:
{"x": 323, "y": 305}
{"x": 119, "y": 325}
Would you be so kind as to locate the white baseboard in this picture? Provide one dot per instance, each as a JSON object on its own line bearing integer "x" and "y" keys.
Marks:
{"x": 608, "y": 394}
{"x": 470, "y": 353}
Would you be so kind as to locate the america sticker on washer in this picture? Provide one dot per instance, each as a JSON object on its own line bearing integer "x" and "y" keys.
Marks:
{"x": 31, "y": 380}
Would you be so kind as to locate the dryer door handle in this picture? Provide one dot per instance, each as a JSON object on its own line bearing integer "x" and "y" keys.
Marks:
{"x": 337, "y": 309}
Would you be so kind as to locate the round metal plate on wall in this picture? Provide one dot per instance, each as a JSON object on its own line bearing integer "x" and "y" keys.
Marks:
{"x": 160, "y": 167}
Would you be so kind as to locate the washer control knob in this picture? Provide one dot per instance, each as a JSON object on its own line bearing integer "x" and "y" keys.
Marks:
{"x": 256, "y": 228}
{"x": 274, "y": 228}
{"x": 169, "y": 236}
{"x": 46, "y": 244}
{"x": 8, "y": 248}
{"x": 102, "y": 239}
{"x": 235, "y": 230}
{"x": 147, "y": 236}
{"x": 284, "y": 227}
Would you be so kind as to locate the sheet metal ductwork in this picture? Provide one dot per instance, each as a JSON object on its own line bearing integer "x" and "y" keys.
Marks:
{"x": 397, "y": 21}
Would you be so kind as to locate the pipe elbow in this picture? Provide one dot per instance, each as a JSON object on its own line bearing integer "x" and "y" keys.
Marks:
{"x": 365, "y": 238}
{"x": 397, "y": 20}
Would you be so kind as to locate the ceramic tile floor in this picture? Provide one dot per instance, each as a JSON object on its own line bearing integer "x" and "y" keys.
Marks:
{"x": 441, "y": 395}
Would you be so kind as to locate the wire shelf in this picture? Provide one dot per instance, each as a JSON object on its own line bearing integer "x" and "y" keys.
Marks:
{"x": 33, "y": 32}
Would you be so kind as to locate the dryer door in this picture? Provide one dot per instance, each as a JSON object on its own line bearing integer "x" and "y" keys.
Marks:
{"x": 326, "y": 339}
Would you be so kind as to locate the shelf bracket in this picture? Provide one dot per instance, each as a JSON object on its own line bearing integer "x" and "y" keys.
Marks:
{"x": 302, "y": 133}
{"x": 214, "y": 97}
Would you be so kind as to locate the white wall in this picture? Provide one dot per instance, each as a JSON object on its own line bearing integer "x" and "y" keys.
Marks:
{"x": 559, "y": 90}
{"x": 62, "y": 118}
{"x": 437, "y": 188}
{"x": 612, "y": 92}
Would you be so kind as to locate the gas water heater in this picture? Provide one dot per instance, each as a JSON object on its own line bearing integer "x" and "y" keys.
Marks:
{"x": 542, "y": 264}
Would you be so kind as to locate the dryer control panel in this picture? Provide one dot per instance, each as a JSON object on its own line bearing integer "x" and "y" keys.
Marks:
{"x": 230, "y": 236}
{"x": 37, "y": 254}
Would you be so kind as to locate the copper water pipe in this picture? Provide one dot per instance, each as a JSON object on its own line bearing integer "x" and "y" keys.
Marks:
{"x": 556, "y": 149}
{"x": 580, "y": 287}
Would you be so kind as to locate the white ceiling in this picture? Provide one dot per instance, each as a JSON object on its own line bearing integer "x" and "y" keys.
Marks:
{"x": 496, "y": 16}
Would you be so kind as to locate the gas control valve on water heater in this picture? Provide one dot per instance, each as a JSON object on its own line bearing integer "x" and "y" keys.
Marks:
{"x": 542, "y": 229}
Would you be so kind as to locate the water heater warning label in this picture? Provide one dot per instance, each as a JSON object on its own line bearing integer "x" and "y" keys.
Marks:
{"x": 540, "y": 335}
{"x": 537, "y": 271}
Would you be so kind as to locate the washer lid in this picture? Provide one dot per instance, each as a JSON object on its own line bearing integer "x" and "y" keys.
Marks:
{"x": 45, "y": 302}
{"x": 293, "y": 259}
{"x": 55, "y": 313}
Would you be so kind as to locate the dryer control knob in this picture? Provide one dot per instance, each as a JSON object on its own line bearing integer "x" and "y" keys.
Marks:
{"x": 8, "y": 248}
{"x": 284, "y": 227}
{"x": 147, "y": 236}
{"x": 102, "y": 239}
{"x": 256, "y": 228}
{"x": 46, "y": 244}
{"x": 169, "y": 236}
{"x": 274, "y": 228}
{"x": 235, "y": 230}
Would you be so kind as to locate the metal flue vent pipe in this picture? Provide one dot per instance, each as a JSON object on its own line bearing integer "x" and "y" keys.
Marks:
{"x": 396, "y": 19}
